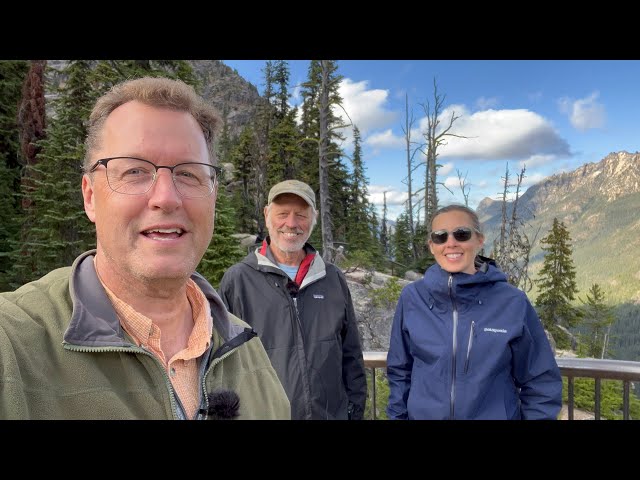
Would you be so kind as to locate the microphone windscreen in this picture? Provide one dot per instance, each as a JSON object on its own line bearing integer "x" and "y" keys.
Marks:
{"x": 224, "y": 404}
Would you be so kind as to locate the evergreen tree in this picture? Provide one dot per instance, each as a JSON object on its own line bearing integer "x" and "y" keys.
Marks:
{"x": 557, "y": 286}
{"x": 384, "y": 232}
{"x": 402, "y": 253}
{"x": 359, "y": 221}
{"x": 224, "y": 250}
{"x": 597, "y": 320}
{"x": 55, "y": 228}
{"x": 12, "y": 74}
{"x": 244, "y": 155}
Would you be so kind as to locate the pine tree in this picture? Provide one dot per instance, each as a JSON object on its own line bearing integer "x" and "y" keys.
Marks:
{"x": 55, "y": 229}
{"x": 224, "y": 250}
{"x": 12, "y": 74}
{"x": 557, "y": 286}
{"x": 358, "y": 222}
{"x": 384, "y": 232}
{"x": 402, "y": 253}
{"x": 597, "y": 321}
{"x": 244, "y": 197}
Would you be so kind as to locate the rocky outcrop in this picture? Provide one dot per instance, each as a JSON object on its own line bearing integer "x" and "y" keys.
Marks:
{"x": 234, "y": 97}
{"x": 374, "y": 323}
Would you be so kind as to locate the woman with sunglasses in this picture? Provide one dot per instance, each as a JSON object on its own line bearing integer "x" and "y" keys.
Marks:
{"x": 465, "y": 344}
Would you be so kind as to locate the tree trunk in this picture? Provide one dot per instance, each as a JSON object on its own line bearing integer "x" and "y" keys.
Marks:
{"x": 323, "y": 147}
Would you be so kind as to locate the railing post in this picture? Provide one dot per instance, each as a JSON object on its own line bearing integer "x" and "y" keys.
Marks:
{"x": 570, "y": 397}
{"x": 625, "y": 400}
{"x": 373, "y": 392}
{"x": 596, "y": 407}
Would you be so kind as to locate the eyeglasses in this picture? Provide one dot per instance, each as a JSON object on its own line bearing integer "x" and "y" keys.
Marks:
{"x": 135, "y": 176}
{"x": 461, "y": 234}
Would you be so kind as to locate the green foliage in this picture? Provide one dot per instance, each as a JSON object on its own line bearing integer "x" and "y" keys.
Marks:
{"x": 596, "y": 325}
{"x": 402, "y": 253}
{"x": 381, "y": 394}
{"x": 224, "y": 250}
{"x": 54, "y": 227}
{"x": 360, "y": 216}
{"x": 624, "y": 341}
{"x": 611, "y": 401}
{"x": 12, "y": 74}
{"x": 557, "y": 285}
{"x": 386, "y": 296}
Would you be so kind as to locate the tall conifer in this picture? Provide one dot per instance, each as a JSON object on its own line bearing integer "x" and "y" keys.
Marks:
{"x": 557, "y": 284}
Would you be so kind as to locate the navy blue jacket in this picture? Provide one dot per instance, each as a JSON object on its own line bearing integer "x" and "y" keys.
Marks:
{"x": 470, "y": 347}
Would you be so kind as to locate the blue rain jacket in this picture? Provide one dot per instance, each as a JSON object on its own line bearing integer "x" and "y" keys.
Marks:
{"x": 470, "y": 347}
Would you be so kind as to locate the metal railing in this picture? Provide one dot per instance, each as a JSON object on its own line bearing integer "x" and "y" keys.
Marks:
{"x": 571, "y": 368}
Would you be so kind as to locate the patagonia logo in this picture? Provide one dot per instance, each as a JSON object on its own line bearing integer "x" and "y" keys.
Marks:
{"x": 317, "y": 295}
{"x": 495, "y": 330}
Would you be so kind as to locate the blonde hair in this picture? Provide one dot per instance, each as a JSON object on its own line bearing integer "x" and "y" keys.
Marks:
{"x": 156, "y": 92}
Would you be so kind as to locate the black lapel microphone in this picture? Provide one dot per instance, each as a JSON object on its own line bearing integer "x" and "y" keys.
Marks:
{"x": 223, "y": 405}
{"x": 292, "y": 288}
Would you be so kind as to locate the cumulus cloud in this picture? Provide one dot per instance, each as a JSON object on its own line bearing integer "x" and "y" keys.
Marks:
{"x": 484, "y": 103}
{"x": 445, "y": 169}
{"x": 499, "y": 135}
{"x": 385, "y": 139}
{"x": 394, "y": 197}
{"x": 452, "y": 182}
{"x": 366, "y": 107}
{"x": 537, "y": 161}
{"x": 584, "y": 113}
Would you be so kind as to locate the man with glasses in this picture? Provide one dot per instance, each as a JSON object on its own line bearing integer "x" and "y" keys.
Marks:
{"x": 131, "y": 331}
{"x": 302, "y": 311}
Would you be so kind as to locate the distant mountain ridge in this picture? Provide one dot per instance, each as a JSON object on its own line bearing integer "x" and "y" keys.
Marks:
{"x": 600, "y": 205}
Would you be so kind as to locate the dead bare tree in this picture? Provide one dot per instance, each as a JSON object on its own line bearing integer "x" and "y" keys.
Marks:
{"x": 435, "y": 137}
{"x": 512, "y": 247}
{"x": 412, "y": 165}
{"x": 464, "y": 186}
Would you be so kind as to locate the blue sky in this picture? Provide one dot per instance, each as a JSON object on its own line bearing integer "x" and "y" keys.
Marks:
{"x": 551, "y": 116}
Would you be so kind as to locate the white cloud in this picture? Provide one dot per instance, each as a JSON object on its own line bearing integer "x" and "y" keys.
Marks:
{"x": 384, "y": 139}
{"x": 537, "y": 161}
{"x": 452, "y": 183}
{"x": 529, "y": 180}
{"x": 393, "y": 196}
{"x": 366, "y": 107}
{"x": 584, "y": 113}
{"x": 446, "y": 169}
{"x": 484, "y": 103}
{"x": 499, "y": 135}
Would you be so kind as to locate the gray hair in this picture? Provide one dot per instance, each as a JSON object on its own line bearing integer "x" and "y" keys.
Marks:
{"x": 454, "y": 207}
{"x": 155, "y": 92}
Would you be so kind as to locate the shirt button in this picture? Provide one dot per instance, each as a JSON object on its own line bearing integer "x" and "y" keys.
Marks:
{"x": 172, "y": 372}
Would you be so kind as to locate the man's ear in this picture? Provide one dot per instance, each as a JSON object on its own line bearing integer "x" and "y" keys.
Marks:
{"x": 89, "y": 198}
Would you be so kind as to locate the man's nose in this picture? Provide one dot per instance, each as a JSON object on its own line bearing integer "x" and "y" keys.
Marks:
{"x": 163, "y": 193}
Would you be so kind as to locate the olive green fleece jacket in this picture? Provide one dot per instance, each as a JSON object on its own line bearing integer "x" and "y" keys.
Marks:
{"x": 64, "y": 355}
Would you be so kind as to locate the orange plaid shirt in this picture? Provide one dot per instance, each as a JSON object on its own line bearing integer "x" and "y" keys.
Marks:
{"x": 183, "y": 367}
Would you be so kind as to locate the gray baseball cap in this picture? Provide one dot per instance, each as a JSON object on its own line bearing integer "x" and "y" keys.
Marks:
{"x": 296, "y": 187}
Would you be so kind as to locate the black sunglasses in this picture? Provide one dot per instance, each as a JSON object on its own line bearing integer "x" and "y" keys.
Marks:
{"x": 461, "y": 234}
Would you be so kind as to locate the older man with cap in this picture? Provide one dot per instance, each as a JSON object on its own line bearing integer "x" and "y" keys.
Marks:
{"x": 301, "y": 309}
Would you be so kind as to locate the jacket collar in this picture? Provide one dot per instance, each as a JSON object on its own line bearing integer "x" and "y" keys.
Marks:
{"x": 94, "y": 322}
{"x": 267, "y": 262}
